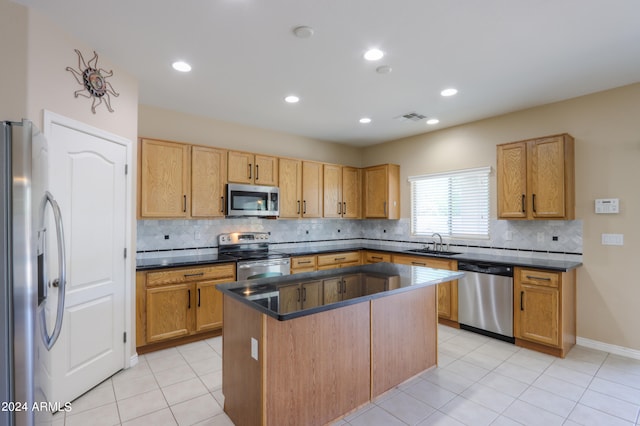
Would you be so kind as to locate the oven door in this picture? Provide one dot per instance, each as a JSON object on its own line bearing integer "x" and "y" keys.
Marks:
{"x": 254, "y": 269}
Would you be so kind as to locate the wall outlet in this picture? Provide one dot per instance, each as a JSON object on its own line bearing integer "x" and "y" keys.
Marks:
{"x": 254, "y": 348}
{"x": 612, "y": 239}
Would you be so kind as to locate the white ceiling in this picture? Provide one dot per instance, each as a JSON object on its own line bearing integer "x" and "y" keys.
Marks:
{"x": 502, "y": 56}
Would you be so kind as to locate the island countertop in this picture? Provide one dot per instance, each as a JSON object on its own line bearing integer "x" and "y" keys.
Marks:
{"x": 338, "y": 287}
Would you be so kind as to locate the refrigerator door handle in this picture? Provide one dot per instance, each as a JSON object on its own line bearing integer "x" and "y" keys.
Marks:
{"x": 50, "y": 340}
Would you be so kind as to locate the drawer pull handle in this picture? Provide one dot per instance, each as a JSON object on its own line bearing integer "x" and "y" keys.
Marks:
{"x": 199, "y": 274}
{"x": 533, "y": 277}
{"x": 340, "y": 258}
{"x": 304, "y": 262}
{"x": 417, "y": 263}
{"x": 376, "y": 257}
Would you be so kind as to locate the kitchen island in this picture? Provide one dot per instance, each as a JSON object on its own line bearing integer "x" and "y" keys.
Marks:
{"x": 310, "y": 348}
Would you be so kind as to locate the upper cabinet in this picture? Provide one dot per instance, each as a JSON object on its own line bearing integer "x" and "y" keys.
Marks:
{"x": 342, "y": 188}
{"x": 208, "y": 179}
{"x": 180, "y": 181}
{"x": 254, "y": 169}
{"x": 163, "y": 178}
{"x": 381, "y": 191}
{"x": 536, "y": 179}
{"x": 300, "y": 188}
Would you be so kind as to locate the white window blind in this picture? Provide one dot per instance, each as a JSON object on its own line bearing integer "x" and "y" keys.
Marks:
{"x": 455, "y": 204}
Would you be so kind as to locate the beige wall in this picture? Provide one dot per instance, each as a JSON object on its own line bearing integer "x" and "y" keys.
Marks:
{"x": 606, "y": 128}
{"x": 170, "y": 125}
{"x": 13, "y": 72}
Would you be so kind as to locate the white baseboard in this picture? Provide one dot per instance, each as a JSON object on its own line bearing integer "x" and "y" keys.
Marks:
{"x": 606, "y": 347}
{"x": 133, "y": 360}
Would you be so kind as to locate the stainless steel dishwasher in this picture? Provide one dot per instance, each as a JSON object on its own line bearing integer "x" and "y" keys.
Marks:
{"x": 485, "y": 299}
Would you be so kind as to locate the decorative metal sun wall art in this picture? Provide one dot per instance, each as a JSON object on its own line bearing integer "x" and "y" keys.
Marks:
{"x": 94, "y": 82}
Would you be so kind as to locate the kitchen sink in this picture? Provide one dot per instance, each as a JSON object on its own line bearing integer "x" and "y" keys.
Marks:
{"x": 434, "y": 252}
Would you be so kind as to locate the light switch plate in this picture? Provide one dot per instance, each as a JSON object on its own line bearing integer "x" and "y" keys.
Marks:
{"x": 254, "y": 348}
{"x": 612, "y": 239}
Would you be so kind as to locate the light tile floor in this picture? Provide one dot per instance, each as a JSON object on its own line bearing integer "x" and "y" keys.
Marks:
{"x": 479, "y": 381}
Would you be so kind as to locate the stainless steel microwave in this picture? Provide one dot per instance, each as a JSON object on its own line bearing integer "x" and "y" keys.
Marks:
{"x": 252, "y": 200}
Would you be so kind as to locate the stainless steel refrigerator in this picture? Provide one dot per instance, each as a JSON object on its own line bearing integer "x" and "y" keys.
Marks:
{"x": 27, "y": 210}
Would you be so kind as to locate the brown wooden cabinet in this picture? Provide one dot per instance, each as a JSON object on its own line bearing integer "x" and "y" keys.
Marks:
{"x": 535, "y": 179}
{"x": 301, "y": 264}
{"x": 447, "y": 292}
{"x": 544, "y": 310}
{"x": 374, "y": 257}
{"x": 342, "y": 188}
{"x": 290, "y": 172}
{"x": 338, "y": 260}
{"x": 178, "y": 180}
{"x": 299, "y": 296}
{"x": 341, "y": 288}
{"x": 249, "y": 168}
{"x": 179, "y": 302}
{"x": 208, "y": 179}
{"x": 381, "y": 191}
{"x": 312, "y": 189}
{"x": 163, "y": 176}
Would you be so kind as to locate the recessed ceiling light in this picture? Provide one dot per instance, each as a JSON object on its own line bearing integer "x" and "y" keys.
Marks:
{"x": 292, "y": 99}
{"x": 365, "y": 120}
{"x": 373, "y": 54}
{"x": 432, "y": 121}
{"x": 181, "y": 66}
{"x": 449, "y": 92}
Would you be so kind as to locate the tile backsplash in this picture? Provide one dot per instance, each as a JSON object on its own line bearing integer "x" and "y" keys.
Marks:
{"x": 556, "y": 237}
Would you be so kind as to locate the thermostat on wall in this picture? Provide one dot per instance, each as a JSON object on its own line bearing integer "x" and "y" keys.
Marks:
{"x": 608, "y": 205}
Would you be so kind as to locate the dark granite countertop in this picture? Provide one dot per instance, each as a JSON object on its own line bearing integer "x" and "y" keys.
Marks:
{"x": 172, "y": 260}
{"x": 529, "y": 262}
{"x": 367, "y": 282}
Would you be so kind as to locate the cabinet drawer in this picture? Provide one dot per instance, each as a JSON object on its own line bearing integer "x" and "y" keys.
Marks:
{"x": 303, "y": 262}
{"x": 377, "y": 257}
{"x": 338, "y": 258}
{"x": 543, "y": 278}
{"x": 225, "y": 272}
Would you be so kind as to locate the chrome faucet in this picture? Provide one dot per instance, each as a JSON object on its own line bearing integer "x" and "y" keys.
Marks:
{"x": 436, "y": 244}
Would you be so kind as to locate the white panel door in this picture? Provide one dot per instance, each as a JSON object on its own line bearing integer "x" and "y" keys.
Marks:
{"x": 87, "y": 176}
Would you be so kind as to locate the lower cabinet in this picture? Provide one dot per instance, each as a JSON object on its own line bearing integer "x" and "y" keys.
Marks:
{"x": 300, "y": 264}
{"x": 179, "y": 302}
{"x": 375, "y": 257}
{"x": 338, "y": 260}
{"x": 300, "y": 296}
{"x": 447, "y": 292}
{"x": 342, "y": 288}
{"x": 544, "y": 310}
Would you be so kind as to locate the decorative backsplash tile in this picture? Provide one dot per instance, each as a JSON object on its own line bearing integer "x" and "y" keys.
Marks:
{"x": 524, "y": 237}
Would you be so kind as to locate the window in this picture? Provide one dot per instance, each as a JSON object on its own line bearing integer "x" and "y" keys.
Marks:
{"x": 455, "y": 204}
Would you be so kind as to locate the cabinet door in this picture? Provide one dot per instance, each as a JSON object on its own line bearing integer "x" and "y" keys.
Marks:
{"x": 512, "y": 180}
{"x": 351, "y": 192}
{"x": 240, "y": 167}
{"x": 332, "y": 290}
{"x": 332, "y": 188}
{"x": 311, "y": 189}
{"x": 168, "y": 312}
{"x": 265, "y": 170}
{"x": 547, "y": 171}
{"x": 311, "y": 294}
{"x": 537, "y": 314}
{"x": 208, "y": 177}
{"x": 290, "y": 172}
{"x": 375, "y": 192}
{"x": 375, "y": 257}
{"x": 374, "y": 284}
{"x": 352, "y": 287}
{"x": 289, "y": 298}
{"x": 208, "y": 306}
{"x": 164, "y": 179}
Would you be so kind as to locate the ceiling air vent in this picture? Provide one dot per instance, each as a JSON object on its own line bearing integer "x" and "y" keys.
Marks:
{"x": 413, "y": 116}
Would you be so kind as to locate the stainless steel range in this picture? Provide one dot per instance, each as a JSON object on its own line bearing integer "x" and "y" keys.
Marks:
{"x": 252, "y": 254}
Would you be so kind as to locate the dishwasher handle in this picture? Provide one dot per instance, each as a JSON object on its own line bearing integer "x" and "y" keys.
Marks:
{"x": 486, "y": 268}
